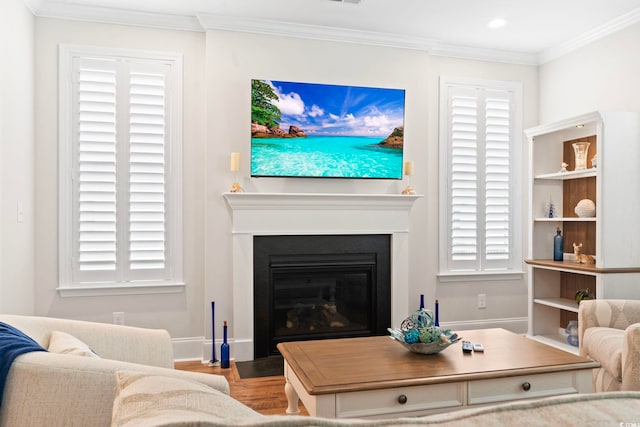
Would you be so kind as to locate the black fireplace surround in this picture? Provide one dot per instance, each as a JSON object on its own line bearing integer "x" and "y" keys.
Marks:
{"x": 319, "y": 287}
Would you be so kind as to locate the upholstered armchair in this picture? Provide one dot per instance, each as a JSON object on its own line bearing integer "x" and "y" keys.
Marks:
{"x": 609, "y": 332}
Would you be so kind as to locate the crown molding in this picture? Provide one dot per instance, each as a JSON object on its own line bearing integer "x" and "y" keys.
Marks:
{"x": 56, "y": 9}
{"x": 33, "y": 5}
{"x": 206, "y": 21}
{"x": 482, "y": 54}
{"x": 317, "y": 32}
{"x": 288, "y": 29}
{"x": 591, "y": 36}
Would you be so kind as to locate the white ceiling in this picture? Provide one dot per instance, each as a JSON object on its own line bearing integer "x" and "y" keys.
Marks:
{"x": 536, "y": 30}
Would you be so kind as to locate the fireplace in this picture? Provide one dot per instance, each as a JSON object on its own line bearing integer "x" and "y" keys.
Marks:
{"x": 318, "y": 287}
{"x": 312, "y": 214}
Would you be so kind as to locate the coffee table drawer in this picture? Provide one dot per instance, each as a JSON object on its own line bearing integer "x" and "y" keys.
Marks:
{"x": 521, "y": 387}
{"x": 399, "y": 400}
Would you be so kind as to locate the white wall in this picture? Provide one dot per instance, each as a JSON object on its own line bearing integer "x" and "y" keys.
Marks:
{"x": 604, "y": 75}
{"x": 234, "y": 59}
{"x": 218, "y": 70}
{"x": 16, "y": 158}
{"x": 506, "y": 299}
{"x": 180, "y": 313}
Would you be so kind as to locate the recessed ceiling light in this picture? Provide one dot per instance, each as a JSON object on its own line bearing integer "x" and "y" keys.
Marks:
{"x": 497, "y": 23}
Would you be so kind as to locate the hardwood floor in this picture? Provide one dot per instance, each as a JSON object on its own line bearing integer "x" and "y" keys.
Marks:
{"x": 264, "y": 395}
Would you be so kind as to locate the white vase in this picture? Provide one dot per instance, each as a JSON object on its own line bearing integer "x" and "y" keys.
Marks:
{"x": 580, "y": 150}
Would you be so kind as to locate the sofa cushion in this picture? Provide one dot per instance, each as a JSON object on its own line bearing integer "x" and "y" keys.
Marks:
{"x": 573, "y": 409}
{"x": 605, "y": 346}
{"x": 154, "y": 400}
{"x": 64, "y": 343}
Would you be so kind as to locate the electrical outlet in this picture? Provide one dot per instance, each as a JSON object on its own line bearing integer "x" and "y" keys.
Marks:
{"x": 118, "y": 318}
{"x": 482, "y": 300}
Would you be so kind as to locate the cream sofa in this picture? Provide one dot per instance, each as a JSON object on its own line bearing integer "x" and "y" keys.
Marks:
{"x": 133, "y": 384}
{"x": 50, "y": 389}
{"x": 177, "y": 402}
{"x": 609, "y": 332}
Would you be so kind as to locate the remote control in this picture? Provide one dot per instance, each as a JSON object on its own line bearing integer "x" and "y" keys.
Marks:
{"x": 477, "y": 347}
{"x": 467, "y": 347}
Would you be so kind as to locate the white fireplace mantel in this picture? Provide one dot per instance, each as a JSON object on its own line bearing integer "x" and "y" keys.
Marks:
{"x": 256, "y": 214}
{"x": 249, "y": 201}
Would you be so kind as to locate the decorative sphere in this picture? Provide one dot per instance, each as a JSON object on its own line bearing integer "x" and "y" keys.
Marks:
{"x": 429, "y": 334}
{"x": 412, "y": 336}
{"x": 585, "y": 208}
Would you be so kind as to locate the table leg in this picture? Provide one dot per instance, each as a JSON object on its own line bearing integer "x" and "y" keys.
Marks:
{"x": 292, "y": 398}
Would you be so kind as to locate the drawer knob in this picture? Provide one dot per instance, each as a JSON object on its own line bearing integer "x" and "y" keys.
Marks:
{"x": 402, "y": 399}
{"x": 526, "y": 386}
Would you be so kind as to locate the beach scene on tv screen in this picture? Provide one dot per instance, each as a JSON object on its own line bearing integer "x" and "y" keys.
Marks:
{"x": 321, "y": 130}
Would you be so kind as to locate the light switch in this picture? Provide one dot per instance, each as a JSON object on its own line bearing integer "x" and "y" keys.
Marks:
{"x": 19, "y": 212}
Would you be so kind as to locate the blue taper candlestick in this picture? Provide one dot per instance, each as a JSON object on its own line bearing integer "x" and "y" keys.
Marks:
{"x": 214, "y": 360}
{"x": 437, "y": 314}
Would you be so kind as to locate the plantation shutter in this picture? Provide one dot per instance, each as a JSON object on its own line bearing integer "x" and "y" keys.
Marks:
{"x": 464, "y": 171}
{"x": 147, "y": 169}
{"x": 96, "y": 167}
{"x": 497, "y": 175}
{"x": 479, "y": 199}
{"x": 121, "y": 169}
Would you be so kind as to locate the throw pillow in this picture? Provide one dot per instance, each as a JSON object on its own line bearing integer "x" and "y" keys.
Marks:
{"x": 156, "y": 400}
{"x": 63, "y": 343}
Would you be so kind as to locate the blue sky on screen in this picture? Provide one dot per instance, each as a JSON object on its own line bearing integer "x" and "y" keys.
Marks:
{"x": 320, "y": 109}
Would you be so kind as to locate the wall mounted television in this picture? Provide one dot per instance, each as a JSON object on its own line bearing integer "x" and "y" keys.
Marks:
{"x": 326, "y": 131}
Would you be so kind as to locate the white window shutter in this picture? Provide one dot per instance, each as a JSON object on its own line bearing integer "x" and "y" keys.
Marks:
{"x": 120, "y": 171}
{"x": 477, "y": 143}
{"x": 464, "y": 170}
{"x": 96, "y": 166}
{"x": 147, "y": 169}
{"x": 497, "y": 175}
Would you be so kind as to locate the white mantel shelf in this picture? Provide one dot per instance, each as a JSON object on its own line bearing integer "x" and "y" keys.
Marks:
{"x": 278, "y": 201}
{"x": 260, "y": 214}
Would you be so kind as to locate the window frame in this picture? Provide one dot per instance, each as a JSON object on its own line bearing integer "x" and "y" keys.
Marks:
{"x": 447, "y": 268}
{"x": 67, "y": 206}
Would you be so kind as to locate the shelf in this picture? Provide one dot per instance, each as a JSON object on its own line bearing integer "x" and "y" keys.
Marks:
{"x": 565, "y": 219}
{"x": 552, "y": 285}
{"x": 558, "y": 341}
{"x": 561, "y": 176}
{"x": 561, "y": 303}
{"x": 571, "y": 266}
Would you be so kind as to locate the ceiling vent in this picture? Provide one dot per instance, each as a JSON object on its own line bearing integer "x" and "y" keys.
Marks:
{"x": 347, "y": 1}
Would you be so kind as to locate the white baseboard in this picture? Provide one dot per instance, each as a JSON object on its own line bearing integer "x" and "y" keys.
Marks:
{"x": 197, "y": 348}
{"x": 190, "y": 348}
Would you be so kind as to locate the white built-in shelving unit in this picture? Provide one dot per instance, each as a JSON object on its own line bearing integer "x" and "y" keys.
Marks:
{"x": 612, "y": 237}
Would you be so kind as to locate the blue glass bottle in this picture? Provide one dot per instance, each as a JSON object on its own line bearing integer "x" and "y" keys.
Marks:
{"x": 224, "y": 348}
{"x": 558, "y": 246}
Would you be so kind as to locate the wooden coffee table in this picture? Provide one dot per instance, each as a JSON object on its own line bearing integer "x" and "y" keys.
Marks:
{"x": 376, "y": 377}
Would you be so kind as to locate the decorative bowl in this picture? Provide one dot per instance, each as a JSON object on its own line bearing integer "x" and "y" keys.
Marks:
{"x": 448, "y": 339}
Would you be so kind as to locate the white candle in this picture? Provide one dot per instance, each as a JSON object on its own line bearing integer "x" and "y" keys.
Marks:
{"x": 235, "y": 162}
{"x": 408, "y": 168}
